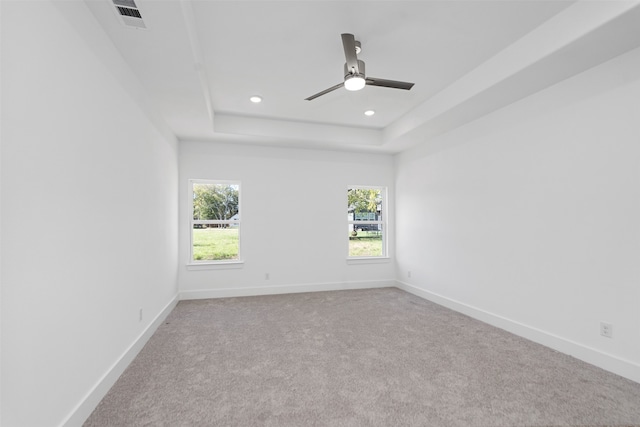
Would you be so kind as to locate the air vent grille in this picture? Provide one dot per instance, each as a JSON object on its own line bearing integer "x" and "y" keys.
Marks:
{"x": 129, "y": 13}
{"x": 125, "y": 11}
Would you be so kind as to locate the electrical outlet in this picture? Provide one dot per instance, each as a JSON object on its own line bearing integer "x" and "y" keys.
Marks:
{"x": 266, "y": 276}
{"x": 140, "y": 316}
{"x": 409, "y": 274}
{"x": 606, "y": 329}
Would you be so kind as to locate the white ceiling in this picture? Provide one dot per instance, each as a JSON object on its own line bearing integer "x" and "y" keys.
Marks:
{"x": 200, "y": 61}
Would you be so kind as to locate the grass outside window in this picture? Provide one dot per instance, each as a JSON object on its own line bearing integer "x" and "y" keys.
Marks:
{"x": 215, "y": 244}
{"x": 366, "y": 244}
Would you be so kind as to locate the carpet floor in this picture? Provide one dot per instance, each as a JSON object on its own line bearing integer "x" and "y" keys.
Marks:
{"x": 375, "y": 357}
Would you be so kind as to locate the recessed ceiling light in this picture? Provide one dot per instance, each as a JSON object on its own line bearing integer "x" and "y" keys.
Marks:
{"x": 255, "y": 99}
{"x": 369, "y": 113}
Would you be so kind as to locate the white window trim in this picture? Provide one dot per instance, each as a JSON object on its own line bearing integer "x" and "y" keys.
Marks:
{"x": 385, "y": 231}
{"x": 368, "y": 260}
{"x": 214, "y": 264}
{"x": 220, "y": 265}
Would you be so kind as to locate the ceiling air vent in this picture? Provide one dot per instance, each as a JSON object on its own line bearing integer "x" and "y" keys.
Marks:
{"x": 129, "y": 13}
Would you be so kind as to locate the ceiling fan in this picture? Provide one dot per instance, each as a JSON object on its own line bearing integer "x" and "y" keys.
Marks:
{"x": 354, "y": 75}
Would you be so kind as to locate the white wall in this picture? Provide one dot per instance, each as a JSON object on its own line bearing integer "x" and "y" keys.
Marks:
{"x": 89, "y": 216}
{"x": 294, "y": 218}
{"x": 1, "y": 238}
{"x": 530, "y": 218}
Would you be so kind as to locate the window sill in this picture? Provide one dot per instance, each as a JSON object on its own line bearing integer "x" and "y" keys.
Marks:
{"x": 368, "y": 260}
{"x": 228, "y": 265}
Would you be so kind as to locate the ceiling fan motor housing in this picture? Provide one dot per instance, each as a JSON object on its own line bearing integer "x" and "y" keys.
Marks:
{"x": 348, "y": 73}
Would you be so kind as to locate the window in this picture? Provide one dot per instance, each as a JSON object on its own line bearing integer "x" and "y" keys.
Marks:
{"x": 215, "y": 223}
{"x": 366, "y": 219}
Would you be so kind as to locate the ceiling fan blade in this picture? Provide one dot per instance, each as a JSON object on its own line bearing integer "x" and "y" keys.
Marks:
{"x": 331, "y": 89}
{"x": 394, "y": 84}
{"x": 349, "y": 44}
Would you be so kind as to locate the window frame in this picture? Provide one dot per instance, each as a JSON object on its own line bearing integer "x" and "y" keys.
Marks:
{"x": 383, "y": 223}
{"x": 192, "y": 222}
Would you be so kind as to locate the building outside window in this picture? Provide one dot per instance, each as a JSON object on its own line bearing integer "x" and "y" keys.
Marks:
{"x": 215, "y": 221}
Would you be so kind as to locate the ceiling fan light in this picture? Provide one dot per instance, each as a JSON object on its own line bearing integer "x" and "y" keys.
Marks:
{"x": 354, "y": 83}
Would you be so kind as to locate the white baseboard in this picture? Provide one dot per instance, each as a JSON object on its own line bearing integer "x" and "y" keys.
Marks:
{"x": 284, "y": 289}
{"x": 86, "y": 406}
{"x": 608, "y": 362}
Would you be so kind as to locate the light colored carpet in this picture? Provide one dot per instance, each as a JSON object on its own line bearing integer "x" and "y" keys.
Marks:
{"x": 376, "y": 357}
